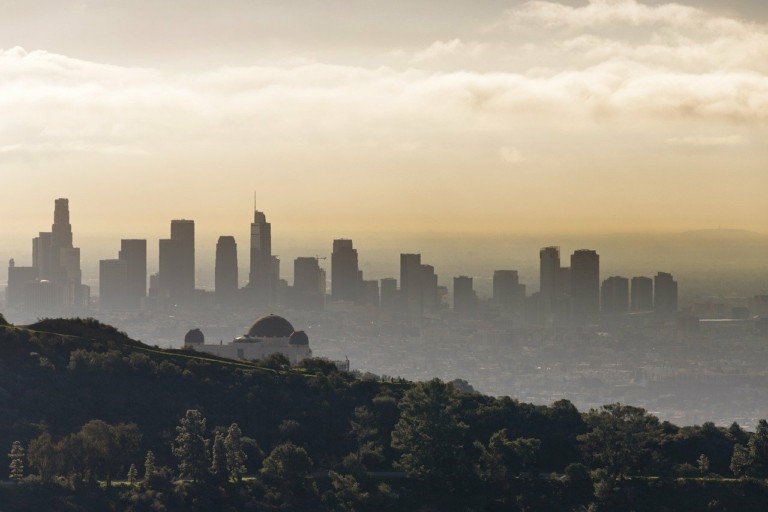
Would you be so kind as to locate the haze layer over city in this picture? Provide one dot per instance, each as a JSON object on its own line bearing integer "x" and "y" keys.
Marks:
{"x": 474, "y": 134}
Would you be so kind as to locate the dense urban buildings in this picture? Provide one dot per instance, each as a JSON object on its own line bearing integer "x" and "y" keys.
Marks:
{"x": 53, "y": 284}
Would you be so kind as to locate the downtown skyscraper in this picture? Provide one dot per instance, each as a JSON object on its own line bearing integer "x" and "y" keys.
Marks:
{"x": 345, "y": 281}
{"x": 177, "y": 261}
{"x": 261, "y": 281}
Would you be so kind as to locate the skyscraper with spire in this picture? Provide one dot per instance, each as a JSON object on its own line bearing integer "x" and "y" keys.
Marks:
{"x": 260, "y": 277}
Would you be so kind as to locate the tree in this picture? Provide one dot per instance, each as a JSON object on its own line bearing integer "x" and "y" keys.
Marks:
{"x": 703, "y": 464}
{"x": 622, "y": 439}
{"x": 752, "y": 460}
{"x": 505, "y": 456}
{"x": 133, "y": 474}
{"x": 219, "y": 457}
{"x": 235, "y": 453}
{"x": 430, "y": 436}
{"x": 43, "y": 455}
{"x": 149, "y": 465}
{"x": 191, "y": 446}
{"x": 16, "y": 466}
{"x": 287, "y": 463}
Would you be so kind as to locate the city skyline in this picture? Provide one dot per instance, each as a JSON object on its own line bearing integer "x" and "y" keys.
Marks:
{"x": 490, "y": 117}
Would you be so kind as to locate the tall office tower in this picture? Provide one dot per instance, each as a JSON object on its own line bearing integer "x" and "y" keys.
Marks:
{"x": 308, "y": 284}
{"x": 370, "y": 293}
{"x": 167, "y": 274}
{"x": 306, "y": 274}
{"x": 388, "y": 291}
{"x": 58, "y": 264}
{"x": 183, "y": 231}
{"x": 410, "y": 283}
{"x": 464, "y": 298}
{"x": 508, "y": 293}
{"x": 614, "y": 295}
{"x": 41, "y": 254}
{"x": 345, "y": 284}
{"x": 113, "y": 284}
{"x": 19, "y": 280}
{"x": 664, "y": 293}
{"x": 134, "y": 253}
{"x": 429, "y": 297}
{"x": 61, "y": 238}
{"x": 549, "y": 272}
{"x": 225, "y": 277}
{"x": 585, "y": 283}
{"x": 260, "y": 276}
{"x": 642, "y": 294}
{"x": 177, "y": 262}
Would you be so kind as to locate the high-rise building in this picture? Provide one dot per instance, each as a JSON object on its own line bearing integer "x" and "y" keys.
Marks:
{"x": 260, "y": 277}
{"x": 113, "y": 284}
{"x": 183, "y": 231}
{"x": 642, "y": 294}
{"x": 585, "y": 283}
{"x": 177, "y": 261}
{"x": 19, "y": 281}
{"x": 389, "y": 293}
{"x": 429, "y": 296}
{"x": 664, "y": 293}
{"x": 508, "y": 293}
{"x": 225, "y": 278}
{"x": 370, "y": 293}
{"x": 614, "y": 295}
{"x": 549, "y": 272}
{"x": 134, "y": 253}
{"x": 58, "y": 266}
{"x": 410, "y": 283}
{"x": 308, "y": 284}
{"x": 464, "y": 298}
{"x": 345, "y": 282}
{"x": 61, "y": 239}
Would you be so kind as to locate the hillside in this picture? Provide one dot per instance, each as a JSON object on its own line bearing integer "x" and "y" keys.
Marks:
{"x": 86, "y": 402}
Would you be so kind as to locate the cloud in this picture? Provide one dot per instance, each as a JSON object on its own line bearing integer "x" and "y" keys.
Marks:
{"x": 708, "y": 141}
{"x": 454, "y": 47}
{"x": 576, "y": 77}
{"x": 602, "y": 13}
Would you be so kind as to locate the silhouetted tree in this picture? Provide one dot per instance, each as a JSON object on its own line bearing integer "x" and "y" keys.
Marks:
{"x": 219, "y": 457}
{"x": 133, "y": 474}
{"x": 43, "y": 455}
{"x": 430, "y": 436}
{"x": 149, "y": 465}
{"x": 16, "y": 467}
{"x": 191, "y": 446}
{"x": 235, "y": 453}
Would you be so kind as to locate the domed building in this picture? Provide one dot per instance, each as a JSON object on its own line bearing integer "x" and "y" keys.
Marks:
{"x": 268, "y": 335}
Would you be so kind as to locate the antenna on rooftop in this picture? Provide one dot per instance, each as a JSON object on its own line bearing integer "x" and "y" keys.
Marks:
{"x": 254, "y": 200}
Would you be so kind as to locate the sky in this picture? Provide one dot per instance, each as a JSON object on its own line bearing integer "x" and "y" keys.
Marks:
{"x": 452, "y": 117}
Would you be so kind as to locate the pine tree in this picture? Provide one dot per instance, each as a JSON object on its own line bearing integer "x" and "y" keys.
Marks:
{"x": 133, "y": 473}
{"x": 236, "y": 456}
{"x": 149, "y": 466}
{"x": 219, "y": 457}
{"x": 17, "y": 462}
{"x": 191, "y": 446}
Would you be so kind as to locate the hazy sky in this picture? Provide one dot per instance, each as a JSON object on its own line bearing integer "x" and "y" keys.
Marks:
{"x": 448, "y": 116}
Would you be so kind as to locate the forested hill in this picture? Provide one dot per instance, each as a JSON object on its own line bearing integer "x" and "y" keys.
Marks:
{"x": 93, "y": 420}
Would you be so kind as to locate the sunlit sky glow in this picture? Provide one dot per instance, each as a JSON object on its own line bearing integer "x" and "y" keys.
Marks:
{"x": 348, "y": 117}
